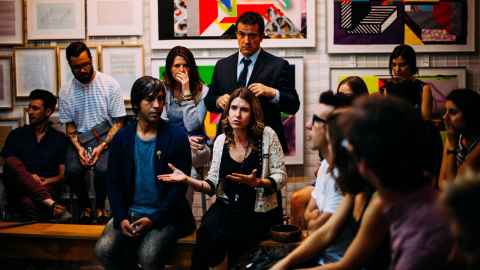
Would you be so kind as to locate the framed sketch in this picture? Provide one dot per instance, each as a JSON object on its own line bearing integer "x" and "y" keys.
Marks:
{"x": 6, "y": 82}
{"x": 7, "y": 124}
{"x": 35, "y": 68}
{"x": 125, "y": 64}
{"x": 55, "y": 19}
{"x": 114, "y": 17}
{"x": 376, "y": 27}
{"x": 292, "y": 124}
{"x": 11, "y": 22}
{"x": 65, "y": 73}
{"x": 211, "y": 23}
{"x": 441, "y": 80}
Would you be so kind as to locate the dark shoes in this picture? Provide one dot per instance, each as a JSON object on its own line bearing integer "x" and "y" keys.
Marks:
{"x": 86, "y": 217}
{"x": 60, "y": 213}
{"x": 102, "y": 217}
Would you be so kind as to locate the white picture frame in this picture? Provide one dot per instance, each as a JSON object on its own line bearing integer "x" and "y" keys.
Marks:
{"x": 115, "y": 18}
{"x": 383, "y": 47}
{"x": 124, "y": 64}
{"x": 200, "y": 43}
{"x": 6, "y": 83}
{"x": 295, "y": 156}
{"x": 55, "y": 19}
{"x": 35, "y": 68}
{"x": 11, "y": 22}
{"x": 65, "y": 72}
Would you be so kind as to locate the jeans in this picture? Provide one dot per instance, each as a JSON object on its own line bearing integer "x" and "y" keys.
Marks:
{"x": 75, "y": 173}
{"x": 151, "y": 250}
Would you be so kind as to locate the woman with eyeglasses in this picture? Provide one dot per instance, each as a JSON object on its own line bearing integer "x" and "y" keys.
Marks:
{"x": 403, "y": 65}
{"x": 246, "y": 175}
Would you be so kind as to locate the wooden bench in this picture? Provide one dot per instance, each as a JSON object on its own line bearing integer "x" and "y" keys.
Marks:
{"x": 72, "y": 243}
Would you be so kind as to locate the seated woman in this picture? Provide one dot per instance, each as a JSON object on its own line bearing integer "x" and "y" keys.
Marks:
{"x": 462, "y": 147}
{"x": 246, "y": 175}
{"x": 184, "y": 101}
{"x": 403, "y": 64}
{"x": 331, "y": 245}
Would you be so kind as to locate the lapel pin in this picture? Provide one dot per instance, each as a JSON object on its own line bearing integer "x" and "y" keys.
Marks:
{"x": 159, "y": 153}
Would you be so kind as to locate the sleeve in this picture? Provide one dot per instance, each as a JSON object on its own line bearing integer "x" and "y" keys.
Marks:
{"x": 213, "y": 174}
{"x": 115, "y": 181}
{"x": 289, "y": 101}
{"x": 215, "y": 92}
{"x": 194, "y": 114}
{"x": 176, "y": 191}
{"x": 277, "y": 171}
{"x": 116, "y": 106}
{"x": 65, "y": 113}
{"x": 333, "y": 197}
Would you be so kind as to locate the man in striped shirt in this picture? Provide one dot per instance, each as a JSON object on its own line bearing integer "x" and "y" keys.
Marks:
{"x": 92, "y": 109}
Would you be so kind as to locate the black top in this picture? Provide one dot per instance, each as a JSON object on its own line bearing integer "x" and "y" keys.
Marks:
{"x": 239, "y": 195}
{"x": 41, "y": 158}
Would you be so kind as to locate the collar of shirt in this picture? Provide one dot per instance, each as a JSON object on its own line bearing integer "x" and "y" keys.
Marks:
{"x": 253, "y": 57}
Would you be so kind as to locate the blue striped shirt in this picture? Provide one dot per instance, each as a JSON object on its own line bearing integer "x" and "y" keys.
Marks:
{"x": 88, "y": 105}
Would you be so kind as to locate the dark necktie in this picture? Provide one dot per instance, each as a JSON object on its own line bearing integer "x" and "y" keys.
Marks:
{"x": 242, "y": 80}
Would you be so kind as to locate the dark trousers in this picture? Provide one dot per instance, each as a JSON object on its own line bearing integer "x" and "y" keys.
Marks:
{"x": 75, "y": 173}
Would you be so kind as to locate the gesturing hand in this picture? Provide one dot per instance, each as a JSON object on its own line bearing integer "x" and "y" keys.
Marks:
{"x": 222, "y": 101}
{"x": 247, "y": 179}
{"x": 141, "y": 225}
{"x": 177, "y": 176}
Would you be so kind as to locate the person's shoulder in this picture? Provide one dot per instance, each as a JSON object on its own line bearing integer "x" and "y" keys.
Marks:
{"x": 272, "y": 58}
{"x": 106, "y": 79}
{"x": 174, "y": 130}
{"x": 269, "y": 132}
{"x": 19, "y": 131}
{"x": 228, "y": 59}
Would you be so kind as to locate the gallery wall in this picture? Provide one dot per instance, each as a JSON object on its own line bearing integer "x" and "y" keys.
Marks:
{"x": 317, "y": 65}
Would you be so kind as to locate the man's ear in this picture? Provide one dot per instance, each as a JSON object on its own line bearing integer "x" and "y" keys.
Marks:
{"x": 49, "y": 112}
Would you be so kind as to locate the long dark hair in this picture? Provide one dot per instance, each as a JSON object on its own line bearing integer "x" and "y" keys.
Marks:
{"x": 193, "y": 75}
{"x": 468, "y": 102}
{"x": 256, "y": 125}
{"x": 407, "y": 53}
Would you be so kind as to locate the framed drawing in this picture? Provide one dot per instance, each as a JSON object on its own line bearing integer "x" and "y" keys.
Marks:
{"x": 441, "y": 80}
{"x": 35, "y": 68}
{"x": 65, "y": 73}
{"x": 211, "y": 23}
{"x": 115, "y": 17}
{"x": 293, "y": 125}
{"x": 125, "y": 64}
{"x": 55, "y": 19}
{"x": 11, "y": 22}
{"x": 7, "y": 124}
{"x": 357, "y": 26}
{"x": 6, "y": 82}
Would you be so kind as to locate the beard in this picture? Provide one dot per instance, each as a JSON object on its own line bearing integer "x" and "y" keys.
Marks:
{"x": 84, "y": 78}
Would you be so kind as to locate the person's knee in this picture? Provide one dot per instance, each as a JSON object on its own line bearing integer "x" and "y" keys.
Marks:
{"x": 103, "y": 249}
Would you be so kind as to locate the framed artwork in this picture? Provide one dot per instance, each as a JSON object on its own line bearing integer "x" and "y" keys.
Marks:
{"x": 55, "y": 19}
{"x": 6, "y": 125}
{"x": 11, "y": 22}
{"x": 357, "y": 26}
{"x": 65, "y": 73}
{"x": 292, "y": 124}
{"x": 115, "y": 17}
{"x": 35, "y": 68}
{"x": 211, "y": 23}
{"x": 441, "y": 80}
{"x": 6, "y": 82}
{"x": 125, "y": 64}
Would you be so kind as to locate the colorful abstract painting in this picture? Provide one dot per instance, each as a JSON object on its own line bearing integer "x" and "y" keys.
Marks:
{"x": 441, "y": 80}
{"x": 211, "y": 23}
{"x": 430, "y": 25}
{"x": 292, "y": 124}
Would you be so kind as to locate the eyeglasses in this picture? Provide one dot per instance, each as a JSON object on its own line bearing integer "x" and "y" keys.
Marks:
{"x": 241, "y": 34}
{"x": 86, "y": 65}
{"x": 317, "y": 119}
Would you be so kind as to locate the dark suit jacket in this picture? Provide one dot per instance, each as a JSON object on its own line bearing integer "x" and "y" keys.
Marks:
{"x": 172, "y": 146}
{"x": 269, "y": 70}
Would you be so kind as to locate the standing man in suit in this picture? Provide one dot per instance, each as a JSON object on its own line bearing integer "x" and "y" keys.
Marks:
{"x": 266, "y": 75}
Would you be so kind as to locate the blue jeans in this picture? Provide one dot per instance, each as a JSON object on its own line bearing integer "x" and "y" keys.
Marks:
{"x": 117, "y": 251}
{"x": 75, "y": 173}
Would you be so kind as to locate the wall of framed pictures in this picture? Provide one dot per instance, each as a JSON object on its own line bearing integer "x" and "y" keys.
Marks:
{"x": 308, "y": 33}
